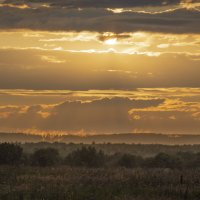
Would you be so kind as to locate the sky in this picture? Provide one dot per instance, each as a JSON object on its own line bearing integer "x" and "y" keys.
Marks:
{"x": 100, "y": 66}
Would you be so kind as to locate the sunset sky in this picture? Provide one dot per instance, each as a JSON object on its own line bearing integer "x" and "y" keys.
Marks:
{"x": 100, "y": 66}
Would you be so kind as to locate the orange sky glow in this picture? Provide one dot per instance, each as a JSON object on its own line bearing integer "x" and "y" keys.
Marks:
{"x": 99, "y": 68}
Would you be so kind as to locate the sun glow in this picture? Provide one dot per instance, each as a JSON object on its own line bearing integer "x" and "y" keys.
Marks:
{"x": 111, "y": 41}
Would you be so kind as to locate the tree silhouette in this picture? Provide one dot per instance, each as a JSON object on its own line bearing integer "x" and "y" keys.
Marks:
{"x": 45, "y": 157}
{"x": 128, "y": 161}
{"x": 10, "y": 154}
{"x": 86, "y": 157}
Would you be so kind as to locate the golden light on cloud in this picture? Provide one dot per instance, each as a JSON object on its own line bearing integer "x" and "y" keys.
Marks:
{"x": 145, "y": 43}
{"x": 142, "y": 106}
{"x": 52, "y": 59}
{"x": 190, "y": 4}
{"x": 20, "y": 6}
{"x": 111, "y": 41}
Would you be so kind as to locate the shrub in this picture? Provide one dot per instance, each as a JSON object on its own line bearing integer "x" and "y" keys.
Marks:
{"x": 86, "y": 157}
{"x": 128, "y": 161}
{"x": 45, "y": 157}
{"x": 10, "y": 154}
{"x": 163, "y": 160}
{"x": 196, "y": 162}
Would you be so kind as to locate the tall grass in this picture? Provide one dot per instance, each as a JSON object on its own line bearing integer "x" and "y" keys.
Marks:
{"x": 60, "y": 183}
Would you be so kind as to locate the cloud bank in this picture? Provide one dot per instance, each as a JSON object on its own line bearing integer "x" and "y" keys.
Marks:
{"x": 180, "y": 20}
{"x": 103, "y": 115}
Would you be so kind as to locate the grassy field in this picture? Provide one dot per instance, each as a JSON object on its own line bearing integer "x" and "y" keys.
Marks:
{"x": 65, "y": 183}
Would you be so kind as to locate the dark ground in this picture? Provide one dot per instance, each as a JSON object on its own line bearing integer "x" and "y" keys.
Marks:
{"x": 65, "y": 183}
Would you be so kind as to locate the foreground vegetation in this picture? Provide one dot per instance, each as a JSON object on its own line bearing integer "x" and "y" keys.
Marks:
{"x": 65, "y": 183}
{"x": 89, "y": 174}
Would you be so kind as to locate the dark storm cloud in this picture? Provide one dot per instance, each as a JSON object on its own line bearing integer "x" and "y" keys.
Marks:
{"x": 116, "y": 3}
{"x": 56, "y": 19}
{"x": 100, "y": 3}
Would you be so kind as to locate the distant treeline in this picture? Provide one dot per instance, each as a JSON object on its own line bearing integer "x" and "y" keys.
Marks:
{"x": 143, "y": 150}
{"x": 128, "y": 138}
{"x": 90, "y": 157}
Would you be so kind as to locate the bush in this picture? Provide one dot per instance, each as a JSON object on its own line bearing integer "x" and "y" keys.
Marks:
{"x": 196, "y": 161}
{"x": 163, "y": 160}
{"x": 45, "y": 157}
{"x": 86, "y": 157}
{"x": 128, "y": 161}
{"x": 10, "y": 154}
